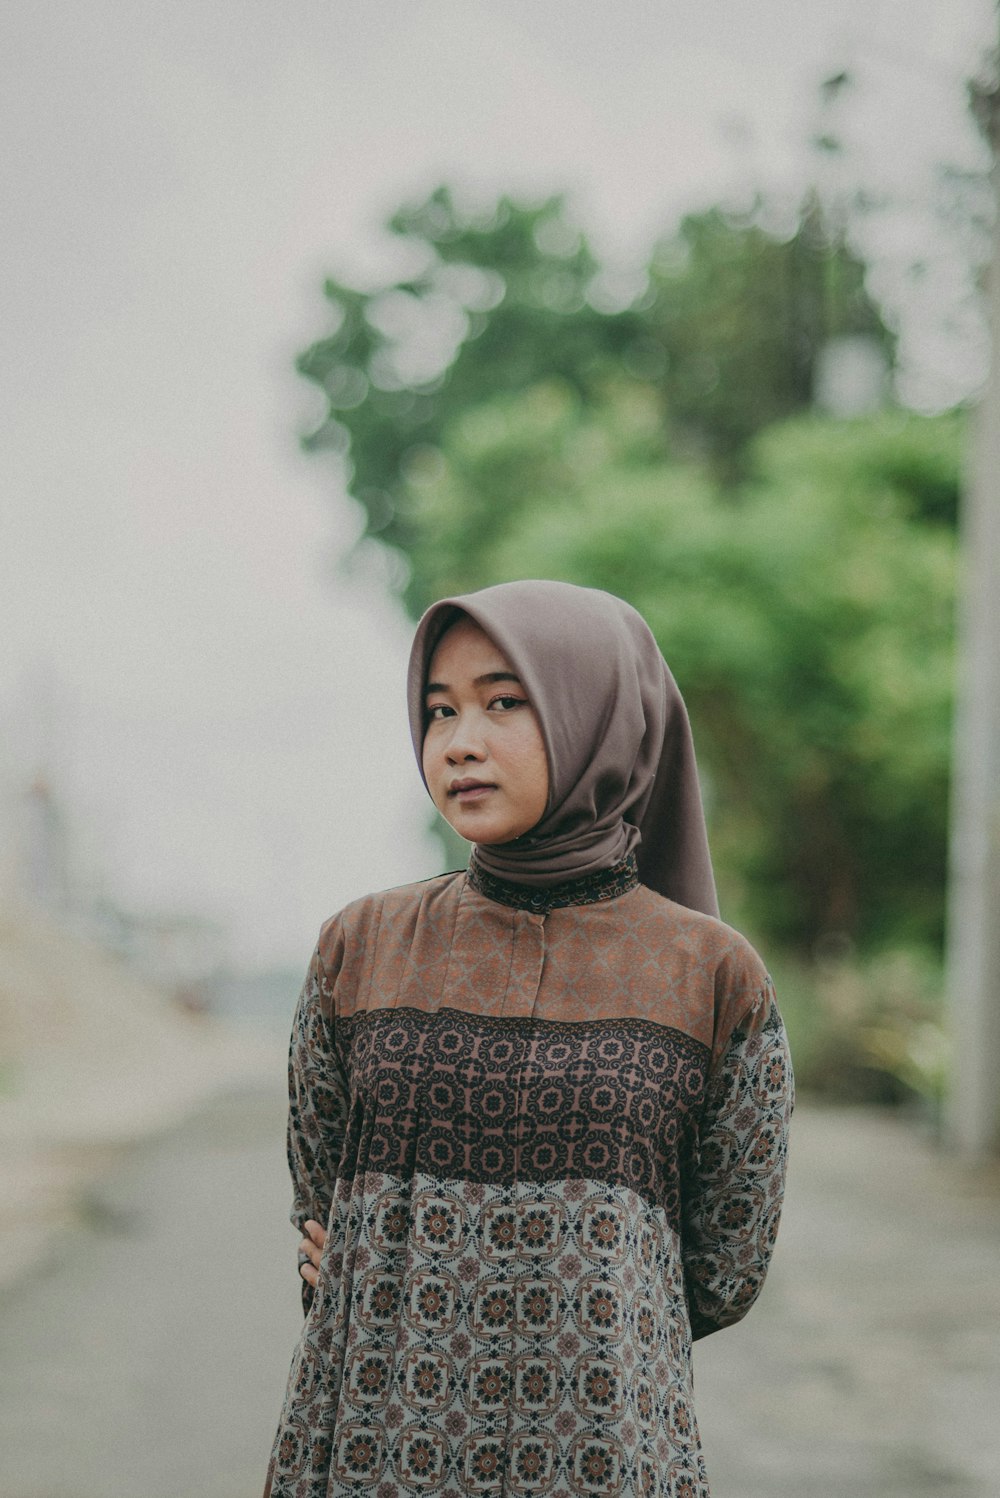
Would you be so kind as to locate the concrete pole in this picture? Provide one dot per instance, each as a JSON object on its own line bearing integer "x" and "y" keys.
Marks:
{"x": 972, "y": 1118}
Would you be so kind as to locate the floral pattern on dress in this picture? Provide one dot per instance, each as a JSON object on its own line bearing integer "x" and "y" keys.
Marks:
{"x": 558, "y": 1351}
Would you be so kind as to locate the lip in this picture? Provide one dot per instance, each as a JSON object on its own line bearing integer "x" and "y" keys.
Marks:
{"x": 469, "y": 790}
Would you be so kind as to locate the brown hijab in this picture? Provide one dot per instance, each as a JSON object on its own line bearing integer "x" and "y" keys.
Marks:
{"x": 622, "y": 772}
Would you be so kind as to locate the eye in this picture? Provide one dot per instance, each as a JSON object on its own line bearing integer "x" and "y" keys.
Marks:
{"x": 507, "y": 702}
{"x": 438, "y": 711}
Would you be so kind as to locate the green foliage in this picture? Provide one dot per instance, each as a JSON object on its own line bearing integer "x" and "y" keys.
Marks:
{"x": 867, "y": 1030}
{"x": 724, "y": 341}
{"x": 913, "y": 463}
{"x": 798, "y": 572}
{"x": 742, "y": 315}
{"x": 807, "y": 617}
{"x": 500, "y": 305}
{"x": 510, "y": 463}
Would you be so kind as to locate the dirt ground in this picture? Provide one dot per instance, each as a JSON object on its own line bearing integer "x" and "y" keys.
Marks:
{"x": 144, "y": 1356}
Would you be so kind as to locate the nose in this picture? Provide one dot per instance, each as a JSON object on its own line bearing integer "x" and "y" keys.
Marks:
{"x": 466, "y": 741}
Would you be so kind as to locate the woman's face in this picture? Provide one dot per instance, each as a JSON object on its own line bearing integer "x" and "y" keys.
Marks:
{"x": 484, "y": 759}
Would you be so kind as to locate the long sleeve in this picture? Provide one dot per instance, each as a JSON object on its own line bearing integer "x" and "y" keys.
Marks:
{"x": 733, "y": 1207}
{"x": 317, "y": 1105}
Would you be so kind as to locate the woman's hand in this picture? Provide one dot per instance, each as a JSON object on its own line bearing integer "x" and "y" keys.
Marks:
{"x": 310, "y": 1251}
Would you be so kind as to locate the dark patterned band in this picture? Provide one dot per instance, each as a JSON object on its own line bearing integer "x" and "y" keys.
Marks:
{"x": 603, "y": 884}
{"x": 466, "y": 1098}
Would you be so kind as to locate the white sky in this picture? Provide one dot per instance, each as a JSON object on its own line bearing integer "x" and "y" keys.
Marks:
{"x": 221, "y": 713}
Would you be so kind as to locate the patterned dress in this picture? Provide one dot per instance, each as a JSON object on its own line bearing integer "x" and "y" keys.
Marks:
{"x": 546, "y": 1130}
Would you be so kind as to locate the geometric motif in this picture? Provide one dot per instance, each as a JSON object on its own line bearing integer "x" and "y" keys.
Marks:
{"x": 391, "y": 1222}
{"x": 368, "y": 1378}
{"x": 603, "y": 1231}
{"x": 432, "y": 1300}
{"x": 539, "y": 1306}
{"x": 644, "y": 1402}
{"x": 438, "y": 1223}
{"x": 360, "y": 1454}
{"x": 596, "y": 1465}
{"x": 599, "y": 1386}
{"x": 421, "y": 1459}
{"x": 378, "y": 1299}
{"x": 487, "y": 1384}
{"x": 427, "y": 1379}
{"x": 492, "y": 1312}
{"x": 541, "y": 1227}
{"x": 600, "y": 1308}
{"x": 537, "y": 1387}
{"x": 483, "y": 1467}
{"x": 499, "y": 1233}
{"x": 532, "y": 1463}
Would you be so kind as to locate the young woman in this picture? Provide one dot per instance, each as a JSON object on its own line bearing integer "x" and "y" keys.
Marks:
{"x": 538, "y": 1108}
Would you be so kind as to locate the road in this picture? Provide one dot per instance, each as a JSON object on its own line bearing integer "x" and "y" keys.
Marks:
{"x": 146, "y": 1357}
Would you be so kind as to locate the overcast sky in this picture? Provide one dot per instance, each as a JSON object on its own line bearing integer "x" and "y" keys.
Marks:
{"x": 222, "y": 714}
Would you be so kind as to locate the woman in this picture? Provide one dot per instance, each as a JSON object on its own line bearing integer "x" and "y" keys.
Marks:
{"x": 539, "y": 1108}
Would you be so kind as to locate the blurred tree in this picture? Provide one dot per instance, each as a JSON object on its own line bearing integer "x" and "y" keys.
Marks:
{"x": 809, "y": 624}
{"x": 743, "y": 316}
{"x": 502, "y": 419}
{"x": 726, "y": 335}
{"x": 500, "y": 304}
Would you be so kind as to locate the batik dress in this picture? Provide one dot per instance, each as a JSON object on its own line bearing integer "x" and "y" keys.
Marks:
{"x": 545, "y": 1130}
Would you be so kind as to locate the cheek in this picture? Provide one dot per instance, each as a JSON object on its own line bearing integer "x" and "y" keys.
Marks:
{"x": 428, "y": 763}
{"x": 535, "y": 767}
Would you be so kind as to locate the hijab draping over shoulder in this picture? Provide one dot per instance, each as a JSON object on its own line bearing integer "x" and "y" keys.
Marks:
{"x": 622, "y": 773}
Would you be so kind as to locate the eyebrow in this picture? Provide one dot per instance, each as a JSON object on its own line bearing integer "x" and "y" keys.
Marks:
{"x": 480, "y": 681}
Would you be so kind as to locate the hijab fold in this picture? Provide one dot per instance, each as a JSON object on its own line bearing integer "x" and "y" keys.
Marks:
{"x": 622, "y": 772}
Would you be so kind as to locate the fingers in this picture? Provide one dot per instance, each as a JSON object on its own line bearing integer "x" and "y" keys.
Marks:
{"x": 309, "y": 1262}
{"x": 316, "y": 1233}
{"x": 311, "y": 1251}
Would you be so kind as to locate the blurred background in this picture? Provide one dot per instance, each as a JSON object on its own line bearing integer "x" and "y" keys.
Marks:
{"x": 317, "y": 312}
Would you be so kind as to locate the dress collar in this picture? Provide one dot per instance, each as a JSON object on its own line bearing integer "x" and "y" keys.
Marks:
{"x": 603, "y": 884}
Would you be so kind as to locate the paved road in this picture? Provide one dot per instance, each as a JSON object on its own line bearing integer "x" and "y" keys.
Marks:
{"x": 148, "y": 1361}
{"x": 871, "y": 1366}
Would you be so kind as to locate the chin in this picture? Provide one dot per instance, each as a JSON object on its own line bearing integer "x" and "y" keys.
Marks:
{"x": 489, "y": 834}
{"x": 484, "y": 835}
